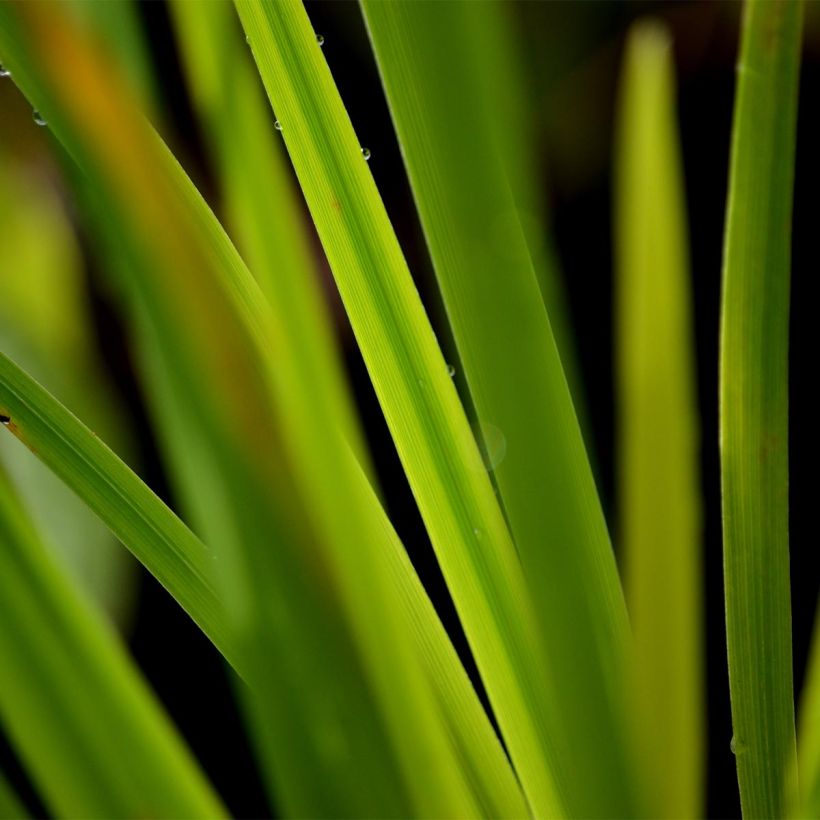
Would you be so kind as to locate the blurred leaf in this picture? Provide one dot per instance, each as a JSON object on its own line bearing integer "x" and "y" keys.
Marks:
{"x": 411, "y": 380}
{"x": 88, "y": 729}
{"x": 658, "y": 448}
{"x": 39, "y": 255}
{"x": 754, "y": 403}
{"x": 119, "y": 29}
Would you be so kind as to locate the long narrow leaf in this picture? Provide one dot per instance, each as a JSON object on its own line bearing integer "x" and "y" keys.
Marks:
{"x": 658, "y": 475}
{"x": 754, "y": 403}
{"x": 82, "y": 719}
{"x": 159, "y": 540}
{"x": 433, "y": 62}
{"x": 411, "y": 380}
{"x": 252, "y": 170}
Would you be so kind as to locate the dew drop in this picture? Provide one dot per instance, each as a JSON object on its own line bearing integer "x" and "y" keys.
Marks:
{"x": 320, "y": 40}
{"x": 4, "y": 72}
{"x": 277, "y": 125}
{"x": 451, "y": 371}
{"x": 366, "y": 154}
{"x": 248, "y": 39}
{"x": 478, "y": 534}
{"x": 39, "y": 119}
{"x": 737, "y": 746}
{"x": 5, "y": 420}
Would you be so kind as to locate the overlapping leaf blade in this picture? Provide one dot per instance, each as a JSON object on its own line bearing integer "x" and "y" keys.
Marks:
{"x": 411, "y": 380}
{"x": 448, "y": 112}
{"x": 253, "y": 174}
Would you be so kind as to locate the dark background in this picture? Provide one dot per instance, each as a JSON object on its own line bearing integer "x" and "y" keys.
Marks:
{"x": 572, "y": 53}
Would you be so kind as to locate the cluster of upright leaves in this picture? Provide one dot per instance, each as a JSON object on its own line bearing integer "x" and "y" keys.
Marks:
{"x": 354, "y": 695}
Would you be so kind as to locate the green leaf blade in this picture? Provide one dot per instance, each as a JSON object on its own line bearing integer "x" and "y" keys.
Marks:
{"x": 433, "y": 62}
{"x": 754, "y": 403}
{"x": 159, "y": 540}
{"x": 411, "y": 380}
{"x": 253, "y": 174}
{"x": 658, "y": 441}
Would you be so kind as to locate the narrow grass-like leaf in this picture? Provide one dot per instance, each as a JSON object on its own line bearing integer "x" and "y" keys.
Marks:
{"x": 410, "y": 376}
{"x": 158, "y": 539}
{"x": 754, "y": 403}
{"x": 11, "y": 808}
{"x": 433, "y": 62}
{"x": 250, "y": 160}
{"x": 658, "y": 441}
{"x": 83, "y": 721}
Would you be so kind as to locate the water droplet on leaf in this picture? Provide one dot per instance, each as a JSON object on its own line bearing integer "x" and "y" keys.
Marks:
{"x": 39, "y": 119}
{"x": 277, "y": 125}
{"x": 366, "y": 154}
{"x": 451, "y": 371}
{"x": 320, "y": 40}
{"x": 4, "y": 72}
